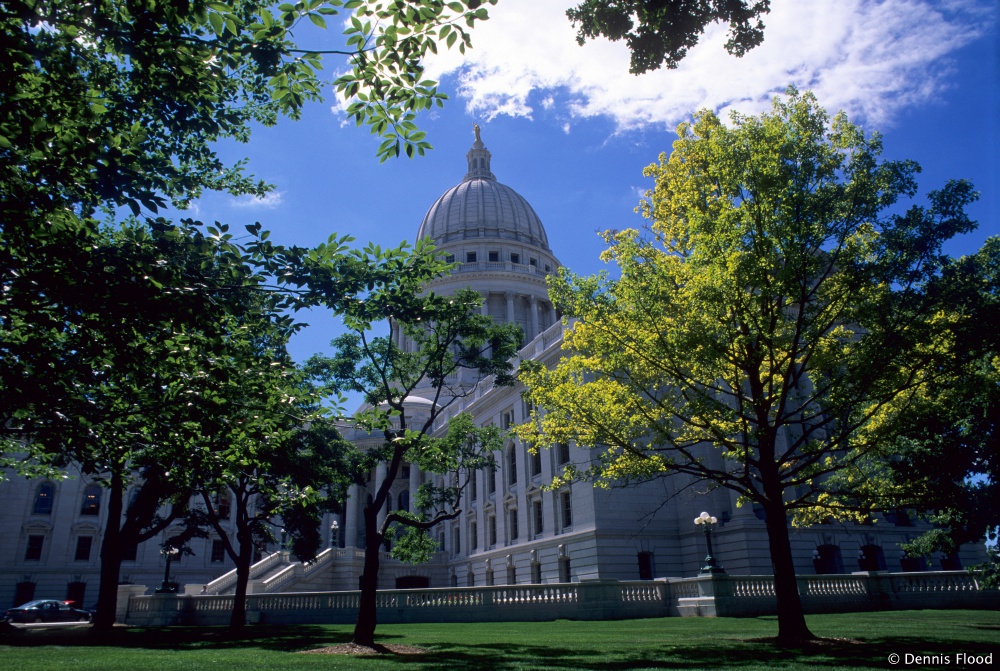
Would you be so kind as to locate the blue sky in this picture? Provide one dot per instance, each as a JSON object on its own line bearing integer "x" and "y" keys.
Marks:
{"x": 571, "y": 130}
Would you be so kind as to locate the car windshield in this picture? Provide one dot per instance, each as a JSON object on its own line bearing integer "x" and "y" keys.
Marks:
{"x": 34, "y": 604}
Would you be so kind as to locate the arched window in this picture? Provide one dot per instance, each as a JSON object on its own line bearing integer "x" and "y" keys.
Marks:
{"x": 871, "y": 558}
{"x": 645, "y": 566}
{"x": 827, "y": 559}
{"x": 91, "y": 500}
{"x": 45, "y": 497}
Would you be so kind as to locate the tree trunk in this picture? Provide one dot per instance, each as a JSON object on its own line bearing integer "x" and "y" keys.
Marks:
{"x": 364, "y": 628}
{"x": 792, "y": 629}
{"x": 238, "y": 618}
{"x": 111, "y": 558}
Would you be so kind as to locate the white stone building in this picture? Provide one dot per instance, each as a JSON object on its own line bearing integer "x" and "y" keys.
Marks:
{"x": 512, "y": 530}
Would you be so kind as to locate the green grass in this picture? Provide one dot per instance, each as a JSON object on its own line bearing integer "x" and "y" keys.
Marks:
{"x": 863, "y": 641}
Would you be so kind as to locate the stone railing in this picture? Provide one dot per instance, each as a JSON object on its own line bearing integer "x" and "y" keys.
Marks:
{"x": 228, "y": 580}
{"x": 706, "y": 596}
{"x": 754, "y": 595}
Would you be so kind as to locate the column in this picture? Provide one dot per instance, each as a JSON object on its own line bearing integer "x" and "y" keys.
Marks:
{"x": 351, "y": 517}
{"x": 484, "y": 309}
{"x": 510, "y": 307}
{"x": 534, "y": 317}
{"x": 380, "y": 473}
{"x": 414, "y": 486}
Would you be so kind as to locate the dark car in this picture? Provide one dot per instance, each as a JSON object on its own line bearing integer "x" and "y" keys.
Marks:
{"x": 47, "y": 610}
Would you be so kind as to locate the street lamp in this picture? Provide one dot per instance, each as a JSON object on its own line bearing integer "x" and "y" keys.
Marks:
{"x": 707, "y": 522}
{"x": 169, "y": 552}
{"x": 335, "y": 534}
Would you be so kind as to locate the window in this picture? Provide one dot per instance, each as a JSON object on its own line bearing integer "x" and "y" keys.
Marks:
{"x": 515, "y": 258}
{"x": 473, "y": 536}
{"x": 470, "y": 257}
{"x": 512, "y": 523}
{"x": 566, "y": 503}
{"x": 218, "y": 551}
{"x": 91, "y": 500}
{"x": 449, "y": 258}
{"x": 222, "y": 506}
{"x": 536, "y": 510}
{"x": 494, "y": 257}
{"x": 536, "y": 574}
{"x": 403, "y": 500}
{"x": 507, "y": 420}
{"x": 44, "y": 498}
{"x": 489, "y": 577}
{"x": 512, "y": 465}
{"x": 565, "y": 574}
{"x": 129, "y": 552}
{"x": 533, "y": 263}
{"x": 33, "y": 552}
{"x": 511, "y": 575}
{"x": 536, "y": 462}
{"x": 83, "y": 546}
{"x": 562, "y": 453}
{"x": 473, "y": 487}
{"x": 491, "y": 479}
{"x": 470, "y": 578}
{"x": 492, "y": 528}
{"x": 645, "y": 566}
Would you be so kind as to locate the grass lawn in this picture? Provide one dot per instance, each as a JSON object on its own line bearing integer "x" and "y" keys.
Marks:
{"x": 866, "y": 641}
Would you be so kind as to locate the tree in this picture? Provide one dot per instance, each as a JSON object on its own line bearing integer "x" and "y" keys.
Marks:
{"x": 120, "y": 104}
{"x": 450, "y": 348}
{"x": 131, "y": 375}
{"x": 660, "y": 32}
{"x": 778, "y": 314}
{"x": 944, "y": 464}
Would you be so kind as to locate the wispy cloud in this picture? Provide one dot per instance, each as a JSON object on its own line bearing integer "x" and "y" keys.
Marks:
{"x": 871, "y": 58}
{"x": 268, "y": 202}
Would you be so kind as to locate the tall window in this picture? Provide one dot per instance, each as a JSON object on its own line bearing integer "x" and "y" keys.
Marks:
{"x": 512, "y": 464}
{"x": 562, "y": 453}
{"x": 536, "y": 462}
{"x": 566, "y": 503}
{"x": 91, "y": 500}
{"x": 222, "y": 506}
{"x": 83, "y": 546}
{"x": 536, "y": 509}
{"x": 473, "y": 487}
{"x": 218, "y": 551}
{"x": 45, "y": 497}
{"x": 491, "y": 525}
{"x": 33, "y": 551}
{"x": 456, "y": 537}
{"x": 645, "y": 566}
{"x": 511, "y": 575}
{"x": 565, "y": 574}
{"x": 536, "y": 574}
{"x": 491, "y": 479}
{"x": 512, "y": 523}
{"x": 473, "y": 536}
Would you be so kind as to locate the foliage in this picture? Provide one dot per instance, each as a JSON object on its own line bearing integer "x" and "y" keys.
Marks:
{"x": 945, "y": 463}
{"x": 660, "y": 32}
{"x": 449, "y": 348}
{"x": 779, "y": 312}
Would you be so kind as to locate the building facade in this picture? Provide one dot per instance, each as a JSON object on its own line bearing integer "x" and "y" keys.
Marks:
{"x": 513, "y": 529}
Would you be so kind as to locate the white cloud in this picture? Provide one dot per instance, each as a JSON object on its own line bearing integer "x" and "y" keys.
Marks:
{"x": 870, "y": 58}
{"x": 268, "y": 202}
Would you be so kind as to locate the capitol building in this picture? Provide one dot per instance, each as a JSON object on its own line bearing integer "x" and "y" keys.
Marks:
{"x": 512, "y": 529}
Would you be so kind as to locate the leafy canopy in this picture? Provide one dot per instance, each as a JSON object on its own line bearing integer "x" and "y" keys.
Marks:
{"x": 660, "y": 32}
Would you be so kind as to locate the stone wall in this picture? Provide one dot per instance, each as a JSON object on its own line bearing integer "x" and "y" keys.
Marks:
{"x": 704, "y": 596}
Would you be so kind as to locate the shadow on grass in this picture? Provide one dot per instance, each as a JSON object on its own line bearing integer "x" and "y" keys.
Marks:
{"x": 725, "y": 652}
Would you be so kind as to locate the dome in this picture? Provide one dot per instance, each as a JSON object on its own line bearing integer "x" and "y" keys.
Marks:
{"x": 482, "y": 207}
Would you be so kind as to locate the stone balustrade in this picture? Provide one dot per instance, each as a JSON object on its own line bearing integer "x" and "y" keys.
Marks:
{"x": 706, "y": 596}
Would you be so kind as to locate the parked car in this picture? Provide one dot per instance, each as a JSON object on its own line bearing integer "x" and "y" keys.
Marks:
{"x": 47, "y": 610}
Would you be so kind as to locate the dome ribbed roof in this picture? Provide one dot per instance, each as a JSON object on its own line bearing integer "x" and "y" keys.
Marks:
{"x": 480, "y": 206}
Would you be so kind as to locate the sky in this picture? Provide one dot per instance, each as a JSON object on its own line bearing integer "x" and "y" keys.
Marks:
{"x": 571, "y": 130}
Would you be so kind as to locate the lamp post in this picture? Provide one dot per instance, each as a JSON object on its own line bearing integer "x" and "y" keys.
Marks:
{"x": 335, "y": 534}
{"x": 166, "y": 587}
{"x": 707, "y": 522}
